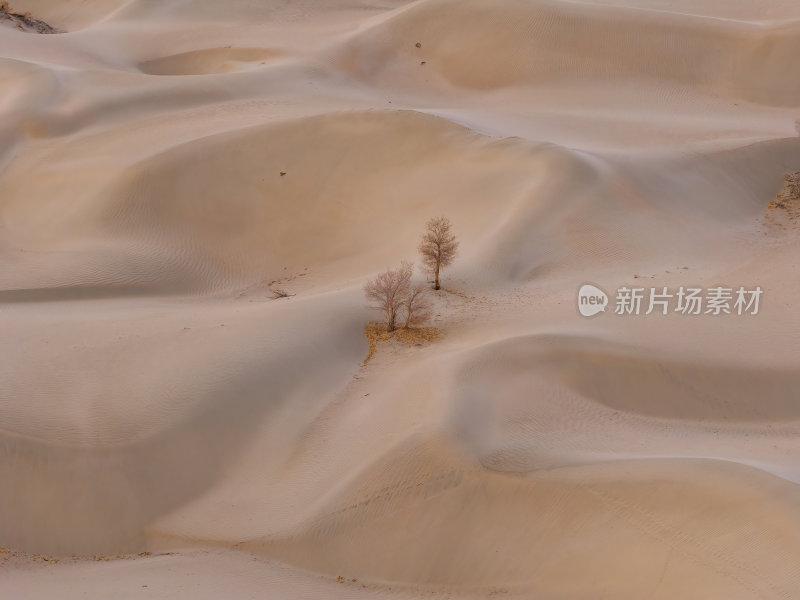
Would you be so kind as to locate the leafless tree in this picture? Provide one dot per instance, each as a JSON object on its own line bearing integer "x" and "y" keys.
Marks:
{"x": 388, "y": 292}
{"x": 438, "y": 247}
{"x": 418, "y": 306}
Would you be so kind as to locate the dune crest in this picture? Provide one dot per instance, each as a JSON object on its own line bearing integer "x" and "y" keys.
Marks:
{"x": 208, "y": 60}
{"x": 192, "y": 197}
{"x": 557, "y": 41}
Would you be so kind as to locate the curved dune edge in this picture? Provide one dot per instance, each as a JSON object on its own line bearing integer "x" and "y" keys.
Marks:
{"x": 630, "y": 379}
{"x": 170, "y": 224}
{"x": 117, "y": 462}
{"x": 209, "y": 61}
{"x": 392, "y": 517}
{"x": 571, "y": 400}
{"x": 553, "y": 41}
{"x": 403, "y": 532}
{"x": 155, "y": 398}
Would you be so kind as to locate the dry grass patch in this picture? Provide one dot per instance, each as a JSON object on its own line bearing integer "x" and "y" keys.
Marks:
{"x": 790, "y": 192}
{"x": 6, "y": 555}
{"x": 410, "y": 336}
{"x": 784, "y": 210}
{"x": 278, "y": 293}
{"x": 793, "y": 185}
{"x": 458, "y": 293}
{"x": 783, "y": 213}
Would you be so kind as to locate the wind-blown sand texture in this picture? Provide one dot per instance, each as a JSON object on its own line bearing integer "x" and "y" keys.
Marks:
{"x": 165, "y": 165}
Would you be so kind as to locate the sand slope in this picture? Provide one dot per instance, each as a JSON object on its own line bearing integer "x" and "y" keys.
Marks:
{"x": 162, "y": 168}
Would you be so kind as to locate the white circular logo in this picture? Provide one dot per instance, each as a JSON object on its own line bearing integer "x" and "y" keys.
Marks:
{"x": 591, "y": 300}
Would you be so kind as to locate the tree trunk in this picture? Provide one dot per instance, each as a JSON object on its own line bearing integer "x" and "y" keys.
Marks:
{"x": 390, "y": 319}
{"x": 436, "y": 283}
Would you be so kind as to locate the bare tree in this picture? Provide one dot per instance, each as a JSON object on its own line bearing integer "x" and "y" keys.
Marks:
{"x": 388, "y": 292}
{"x": 418, "y": 306}
{"x": 438, "y": 247}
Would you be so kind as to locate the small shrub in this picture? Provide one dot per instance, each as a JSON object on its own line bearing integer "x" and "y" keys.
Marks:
{"x": 278, "y": 293}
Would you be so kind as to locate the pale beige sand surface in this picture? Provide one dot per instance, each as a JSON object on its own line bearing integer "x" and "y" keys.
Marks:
{"x": 163, "y": 163}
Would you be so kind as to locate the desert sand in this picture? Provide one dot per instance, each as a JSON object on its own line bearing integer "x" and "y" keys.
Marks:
{"x": 169, "y": 430}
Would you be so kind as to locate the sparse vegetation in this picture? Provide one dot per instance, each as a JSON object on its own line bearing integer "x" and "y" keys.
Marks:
{"x": 7, "y": 555}
{"x": 418, "y": 307}
{"x": 393, "y": 293}
{"x": 24, "y": 21}
{"x": 376, "y": 332}
{"x": 783, "y": 212}
{"x": 793, "y": 185}
{"x": 790, "y": 193}
{"x": 388, "y": 292}
{"x": 278, "y": 293}
{"x": 438, "y": 247}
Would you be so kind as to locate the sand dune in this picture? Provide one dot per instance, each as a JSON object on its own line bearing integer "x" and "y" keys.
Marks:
{"x": 208, "y": 60}
{"x": 170, "y": 222}
{"x": 72, "y": 15}
{"x": 543, "y": 42}
{"x": 165, "y": 166}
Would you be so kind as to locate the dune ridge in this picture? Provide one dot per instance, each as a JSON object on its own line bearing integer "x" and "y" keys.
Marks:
{"x": 560, "y": 41}
{"x": 165, "y": 166}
